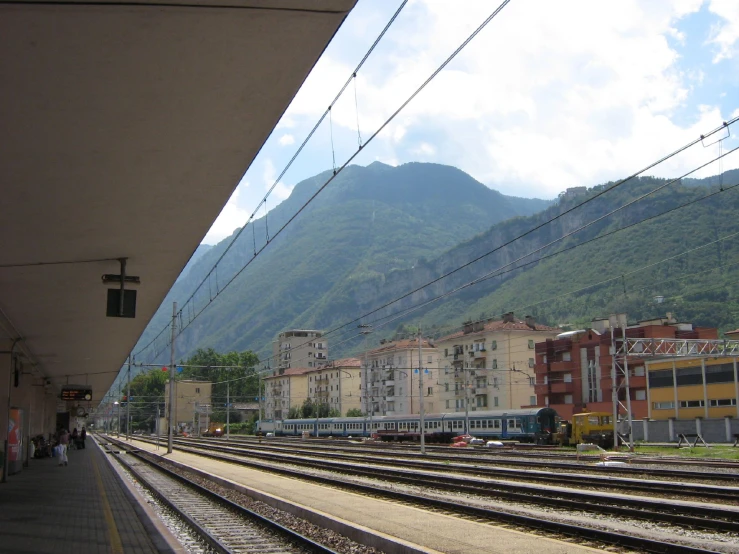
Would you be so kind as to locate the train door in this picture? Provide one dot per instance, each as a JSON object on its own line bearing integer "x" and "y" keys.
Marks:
{"x": 504, "y": 427}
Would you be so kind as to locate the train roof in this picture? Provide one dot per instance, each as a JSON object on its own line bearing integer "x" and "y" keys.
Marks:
{"x": 500, "y": 413}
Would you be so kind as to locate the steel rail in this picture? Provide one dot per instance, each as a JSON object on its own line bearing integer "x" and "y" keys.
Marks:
{"x": 485, "y": 514}
{"x": 229, "y": 507}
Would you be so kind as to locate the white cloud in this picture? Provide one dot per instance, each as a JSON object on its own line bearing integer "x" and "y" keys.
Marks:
{"x": 726, "y": 34}
{"x": 286, "y": 140}
{"x": 281, "y": 190}
{"x": 231, "y": 217}
{"x": 549, "y": 95}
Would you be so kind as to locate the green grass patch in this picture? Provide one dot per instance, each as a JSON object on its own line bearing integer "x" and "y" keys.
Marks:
{"x": 714, "y": 452}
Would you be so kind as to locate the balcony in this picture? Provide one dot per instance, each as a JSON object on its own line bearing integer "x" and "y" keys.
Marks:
{"x": 562, "y": 388}
{"x": 563, "y": 366}
{"x": 389, "y": 382}
{"x": 541, "y": 389}
{"x": 480, "y": 354}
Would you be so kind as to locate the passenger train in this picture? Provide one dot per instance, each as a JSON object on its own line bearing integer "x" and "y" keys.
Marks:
{"x": 525, "y": 425}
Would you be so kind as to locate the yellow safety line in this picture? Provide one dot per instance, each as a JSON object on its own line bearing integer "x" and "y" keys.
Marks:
{"x": 115, "y": 539}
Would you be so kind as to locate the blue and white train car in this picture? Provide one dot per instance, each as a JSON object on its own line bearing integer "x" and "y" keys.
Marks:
{"x": 525, "y": 425}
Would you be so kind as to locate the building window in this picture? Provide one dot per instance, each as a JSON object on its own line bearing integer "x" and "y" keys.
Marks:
{"x": 197, "y": 390}
{"x": 531, "y": 362}
{"x": 640, "y": 395}
{"x": 430, "y": 391}
{"x": 689, "y": 376}
{"x": 531, "y": 344}
{"x": 566, "y": 357}
{"x": 494, "y": 344}
{"x": 568, "y": 399}
{"x": 532, "y": 400}
{"x": 495, "y": 363}
{"x": 639, "y": 371}
{"x": 447, "y": 404}
{"x": 446, "y": 353}
{"x": 495, "y": 401}
{"x": 567, "y": 377}
{"x": 660, "y": 379}
{"x": 663, "y": 405}
{"x": 482, "y": 401}
{"x": 722, "y": 402}
{"x": 692, "y": 403}
{"x": 721, "y": 373}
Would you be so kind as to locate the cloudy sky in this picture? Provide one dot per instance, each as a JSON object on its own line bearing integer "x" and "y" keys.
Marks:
{"x": 550, "y": 95}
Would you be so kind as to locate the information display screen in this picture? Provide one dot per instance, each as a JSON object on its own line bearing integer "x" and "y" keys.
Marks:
{"x": 76, "y": 393}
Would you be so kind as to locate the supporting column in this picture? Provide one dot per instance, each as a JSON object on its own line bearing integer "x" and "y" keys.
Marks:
{"x": 645, "y": 423}
{"x": 698, "y": 426}
{"x": 671, "y": 428}
{"x": 727, "y": 426}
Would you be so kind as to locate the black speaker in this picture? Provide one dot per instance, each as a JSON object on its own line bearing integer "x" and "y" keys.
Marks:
{"x": 114, "y": 303}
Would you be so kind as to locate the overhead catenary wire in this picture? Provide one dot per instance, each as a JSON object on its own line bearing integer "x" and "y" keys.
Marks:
{"x": 289, "y": 164}
{"x": 403, "y": 313}
{"x": 346, "y": 163}
{"x": 501, "y": 270}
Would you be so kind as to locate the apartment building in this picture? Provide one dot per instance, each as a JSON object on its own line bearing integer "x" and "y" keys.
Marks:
{"x": 284, "y": 390}
{"x": 573, "y": 369}
{"x": 299, "y": 348}
{"x": 489, "y": 364}
{"x": 391, "y": 378}
{"x": 689, "y": 388}
{"x": 337, "y": 384}
{"x": 192, "y": 405}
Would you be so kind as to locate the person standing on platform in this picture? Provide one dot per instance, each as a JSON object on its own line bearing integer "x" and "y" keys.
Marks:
{"x": 83, "y": 436}
{"x": 73, "y": 440}
{"x": 64, "y": 443}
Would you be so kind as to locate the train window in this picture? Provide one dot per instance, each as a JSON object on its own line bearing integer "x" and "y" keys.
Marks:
{"x": 496, "y": 423}
{"x": 484, "y": 423}
{"x": 593, "y": 420}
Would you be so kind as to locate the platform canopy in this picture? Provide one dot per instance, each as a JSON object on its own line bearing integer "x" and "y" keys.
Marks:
{"x": 126, "y": 127}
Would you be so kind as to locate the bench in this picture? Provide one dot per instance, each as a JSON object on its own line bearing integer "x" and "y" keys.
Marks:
{"x": 684, "y": 437}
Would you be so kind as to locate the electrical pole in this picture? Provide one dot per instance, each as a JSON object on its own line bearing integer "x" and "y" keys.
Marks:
{"x": 466, "y": 401}
{"x": 614, "y": 393}
{"x": 228, "y": 408}
{"x": 172, "y": 414}
{"x": 366, "y": 330}
{"x": 128, "y": 400}
{"x": 420, "y": 394}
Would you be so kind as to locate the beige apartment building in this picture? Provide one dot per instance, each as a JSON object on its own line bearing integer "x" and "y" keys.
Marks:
{"x": 299, "y": 348}
{"x": 192, "y": 405}
{"x": 285, "y": 390}
{"x": 490, "y": 364}
{"x": 390, "y": 382}
{"x": 337, "y": 385}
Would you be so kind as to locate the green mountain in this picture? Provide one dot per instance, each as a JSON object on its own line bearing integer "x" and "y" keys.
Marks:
{"x": 377, "y": 233}
{"x": 649, "y": 258}
{"x": 369, "y": 223}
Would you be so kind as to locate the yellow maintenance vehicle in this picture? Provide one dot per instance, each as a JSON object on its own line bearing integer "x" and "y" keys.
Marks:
{"x": 589, "y": 427}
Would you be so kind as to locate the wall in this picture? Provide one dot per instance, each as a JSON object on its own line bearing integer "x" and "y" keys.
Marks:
{"x": 712, "y": 430}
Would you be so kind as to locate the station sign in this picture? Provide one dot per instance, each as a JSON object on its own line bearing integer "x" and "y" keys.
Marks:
{"x": 76, "y": 393}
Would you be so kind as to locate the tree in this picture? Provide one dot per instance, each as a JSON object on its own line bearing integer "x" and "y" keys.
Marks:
{"x": 354, "y": 412}
{"x": 234, "y": 376}
{"x": 308, "y": 410}
{"x": 294, "y": 413}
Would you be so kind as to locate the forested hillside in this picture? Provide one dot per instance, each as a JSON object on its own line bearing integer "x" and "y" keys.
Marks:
{"x": 383, "y": 232}
{"x": 370, "y": 222}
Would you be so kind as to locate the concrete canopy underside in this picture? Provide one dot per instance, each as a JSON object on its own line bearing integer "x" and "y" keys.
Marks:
{"x": 127, "y": 127}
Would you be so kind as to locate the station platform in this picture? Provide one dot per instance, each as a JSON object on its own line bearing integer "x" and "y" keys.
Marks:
{"x": 411, "y": 528}
{"x": 85, "y": 507}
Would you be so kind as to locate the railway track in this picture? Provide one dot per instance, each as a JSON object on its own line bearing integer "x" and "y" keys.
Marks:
{"x": 506, "y": 459}
{"x": 224, "y": 525}
{"x": 485, "y": 514}
{"x": 599, "y": 482}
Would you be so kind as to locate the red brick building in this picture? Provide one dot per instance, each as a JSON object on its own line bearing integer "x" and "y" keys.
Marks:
{"x": 573, "y": 370}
